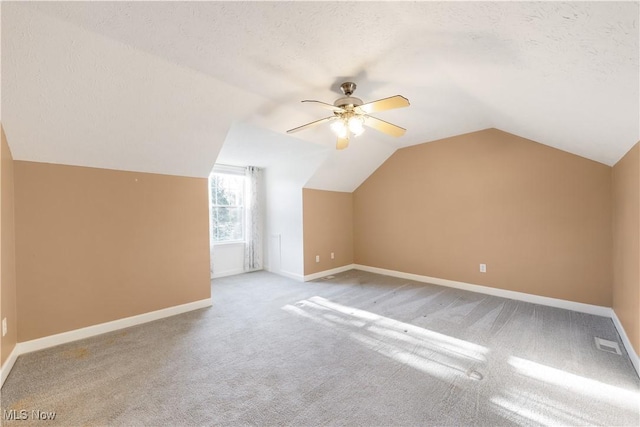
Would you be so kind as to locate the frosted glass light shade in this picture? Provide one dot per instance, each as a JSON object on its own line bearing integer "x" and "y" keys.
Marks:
{"x": 356, "y": 125}
{"x": 340, "y": 128}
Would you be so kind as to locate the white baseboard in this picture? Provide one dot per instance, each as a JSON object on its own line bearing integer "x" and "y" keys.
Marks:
{"x": 520, "y": 296}
{"x": 227, "y": 273}
{"x": 102, "y": 328}
{"x": 65, "y": 337}
{"x": 290, "y": 275}
{"x": 635, "y": 360}
{"x": 336, "y": 270}
{"x": 8, "y": 365}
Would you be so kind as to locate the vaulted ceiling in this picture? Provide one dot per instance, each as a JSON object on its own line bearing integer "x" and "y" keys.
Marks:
{"x": 169, "y": 87}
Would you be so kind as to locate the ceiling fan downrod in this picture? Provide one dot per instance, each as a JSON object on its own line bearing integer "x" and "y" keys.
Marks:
{"x": 348, "y": 88}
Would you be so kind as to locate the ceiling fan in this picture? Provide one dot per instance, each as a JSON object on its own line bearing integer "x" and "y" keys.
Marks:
{"x": 350, "y": 115}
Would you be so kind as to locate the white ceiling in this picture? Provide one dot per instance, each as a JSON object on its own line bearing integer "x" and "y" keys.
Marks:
{"x": 159, "y": 87}
{"x": 252, "y": 145}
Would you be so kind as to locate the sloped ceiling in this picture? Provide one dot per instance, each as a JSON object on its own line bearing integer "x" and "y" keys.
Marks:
{"x": 160, "y": 87}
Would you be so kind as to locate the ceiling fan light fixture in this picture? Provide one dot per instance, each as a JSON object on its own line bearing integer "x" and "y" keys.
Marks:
{"x": 356, "y": 125}
{"x": 339, "y": 128}
{"x": 350, "y": 115}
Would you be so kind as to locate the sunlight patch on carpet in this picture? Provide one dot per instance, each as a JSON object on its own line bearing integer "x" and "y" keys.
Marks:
{"x": 617, "y": 396}
{"x": 436, "y": 354}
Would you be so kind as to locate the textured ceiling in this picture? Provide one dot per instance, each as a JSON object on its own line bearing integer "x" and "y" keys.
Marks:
{"x": 159, "y": 87}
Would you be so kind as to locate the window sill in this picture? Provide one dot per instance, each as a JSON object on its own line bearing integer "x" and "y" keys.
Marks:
{"x": 235, "y": 242}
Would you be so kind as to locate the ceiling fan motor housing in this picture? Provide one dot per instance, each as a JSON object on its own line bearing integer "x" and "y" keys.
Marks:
{"x": 347, "y": 101}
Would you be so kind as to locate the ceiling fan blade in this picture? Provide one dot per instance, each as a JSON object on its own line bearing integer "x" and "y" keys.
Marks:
{"x": 312, "y": 124}
{"x": 326, "y": 106}
{"x": 390, "y": 103}
{"x": 342, "y": 143}
{"x": 383, "y": 126}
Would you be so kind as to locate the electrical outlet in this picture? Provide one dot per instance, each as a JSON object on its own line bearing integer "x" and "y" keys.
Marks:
{"x": 4, "y": 326}
{"x": 332, "y": 255}
{"x": 483, "y": 268}
{"x": 317, "y": 258}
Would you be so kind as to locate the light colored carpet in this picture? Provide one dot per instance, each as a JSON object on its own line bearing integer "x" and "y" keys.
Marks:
{"x": 359, "y": 349}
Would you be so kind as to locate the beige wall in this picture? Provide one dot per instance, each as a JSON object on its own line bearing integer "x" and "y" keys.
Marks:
{"x": 7, "y": 253}
{"x": 95, "y": 245}
{"x": 539, "y": 218}
{"x": 626, "y": 244}
{"x": 327, "y": 227}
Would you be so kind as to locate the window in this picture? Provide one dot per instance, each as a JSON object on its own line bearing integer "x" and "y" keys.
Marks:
{"x": 227, "y": 207}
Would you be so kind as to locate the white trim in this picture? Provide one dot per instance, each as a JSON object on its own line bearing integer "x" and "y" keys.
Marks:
{"x": 635, "y": 360}
{"x": 8, "y": 365}
{"x": 228, "y": 169}
{"x": 90, "y": 331}
{"x": 65, "y": 337}
{"x": 290, "y": 275}
{"x": 520, "y": 296}
{"x": 336, "y": 270}
{"x": 227, "y": 273}
{"x": 102, "y": 328}
{"x": 228, "y": 243}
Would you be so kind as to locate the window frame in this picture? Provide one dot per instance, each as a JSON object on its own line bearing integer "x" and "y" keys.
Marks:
{"x": 231, "y": 171}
